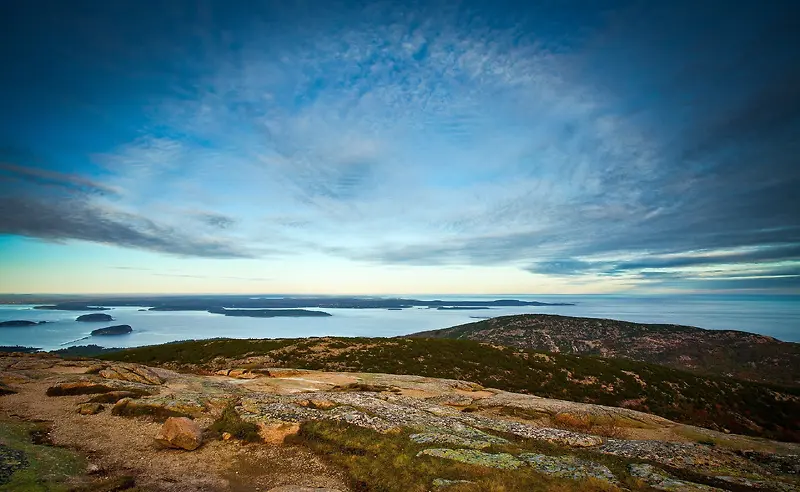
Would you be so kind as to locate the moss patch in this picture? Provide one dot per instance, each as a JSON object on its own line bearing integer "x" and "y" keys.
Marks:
{"x": 232, "y": 423}
{"x": 47, "y": 468}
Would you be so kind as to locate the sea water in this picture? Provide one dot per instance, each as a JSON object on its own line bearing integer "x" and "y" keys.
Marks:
{"x": 776, "y": 316}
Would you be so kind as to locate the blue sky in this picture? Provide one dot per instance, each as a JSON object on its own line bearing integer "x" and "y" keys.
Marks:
{"x": 387, "y": 147}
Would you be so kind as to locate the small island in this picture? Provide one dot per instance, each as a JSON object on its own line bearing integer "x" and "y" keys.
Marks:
{"x": 113, "y": 330}
{"x": 19, "y": 322}
{"x": 94, "y": 317}
{"x": 460, "y": 308}
{"x": 269, "y": 313}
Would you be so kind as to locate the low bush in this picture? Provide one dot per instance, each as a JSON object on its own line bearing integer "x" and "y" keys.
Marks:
{"x": 232, "y": 423}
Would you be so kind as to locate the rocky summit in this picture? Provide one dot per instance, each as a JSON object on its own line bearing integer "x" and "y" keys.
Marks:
{"x": 151, "y": 428}
{"x": 717, "y": 352}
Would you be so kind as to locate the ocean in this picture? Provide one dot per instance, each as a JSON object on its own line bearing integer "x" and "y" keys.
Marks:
{"x": 776, "y": 316}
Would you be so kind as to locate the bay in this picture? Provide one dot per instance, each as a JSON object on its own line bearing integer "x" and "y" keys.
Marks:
{"x": 776, "y": 316}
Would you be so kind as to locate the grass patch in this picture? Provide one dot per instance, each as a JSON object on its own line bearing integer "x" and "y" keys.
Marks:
{"x": 48, "y": 468}
{"x": 389, "y": 462}
{"x": 736, "y": 443}
{"x": 597, "y": 425}
{"x": 232, "y": 423}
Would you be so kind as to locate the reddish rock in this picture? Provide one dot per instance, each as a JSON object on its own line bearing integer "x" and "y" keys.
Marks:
{"x": 90, "y": 408}
{"x": 180, "y": 433}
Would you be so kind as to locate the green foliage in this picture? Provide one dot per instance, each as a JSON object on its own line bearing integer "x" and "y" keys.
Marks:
{"x": 715, "y": 402}
{"x": 232, "y": 423}
{"x": 49, "y": 468}
{"x": 389, "y": 463}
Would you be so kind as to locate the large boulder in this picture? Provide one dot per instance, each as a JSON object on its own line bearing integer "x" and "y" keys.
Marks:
{"x": 180, "y": 433}
{"x": 79, "y": 388}
{"x": 162, "y": 407}
{"x": 131, "y": 372}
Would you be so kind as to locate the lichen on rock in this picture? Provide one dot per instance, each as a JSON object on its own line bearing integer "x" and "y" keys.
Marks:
{"x": 568, "y": 467}
{"x": 474, "y": 457}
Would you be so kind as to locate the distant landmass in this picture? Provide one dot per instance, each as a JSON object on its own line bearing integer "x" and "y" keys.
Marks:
{"x": 8, "y": 349}
{"x": 270, "y": 313}
{"x": 206, "y": 303}
{"x": 717, "y": 352}
{"x": 19, "y": 322}
{"x": 72, "y": 307}
{"x": 94, "y": 317}
{"x": 112, "y": 330}
{"x": 461, "y": 308}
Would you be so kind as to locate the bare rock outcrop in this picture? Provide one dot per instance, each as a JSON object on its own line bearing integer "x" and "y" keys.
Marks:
{"x": 133, "y": 373}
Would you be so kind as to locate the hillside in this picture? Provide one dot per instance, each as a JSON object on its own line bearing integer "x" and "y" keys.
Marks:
{"x": 713, "y": 402}
{"x": 96, "y": 426}
{"x": 717, "y": 352}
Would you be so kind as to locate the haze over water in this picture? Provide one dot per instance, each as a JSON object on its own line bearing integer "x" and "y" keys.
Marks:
{"x": 776, "y": 316}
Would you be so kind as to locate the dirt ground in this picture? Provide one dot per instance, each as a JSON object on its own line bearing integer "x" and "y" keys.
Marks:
{"x": 125, "y": 446}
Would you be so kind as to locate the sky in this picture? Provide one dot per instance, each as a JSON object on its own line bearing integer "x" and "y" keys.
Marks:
{"x": 335, "y": 147}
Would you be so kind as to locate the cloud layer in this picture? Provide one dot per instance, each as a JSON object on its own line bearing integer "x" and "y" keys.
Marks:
{"x": 660, "y": 153}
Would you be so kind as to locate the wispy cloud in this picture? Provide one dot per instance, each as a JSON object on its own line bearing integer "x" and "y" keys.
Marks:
{"x": 9, "y": 171}
{"x": 455, "y": 135}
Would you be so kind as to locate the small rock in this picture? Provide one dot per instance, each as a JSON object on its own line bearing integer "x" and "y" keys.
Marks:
{"x": 276, "y": 432}
{"x": 180, "y": 433}
{"x": 93, "y": 469}
{"x": 90, "y": 408}
{"x": 227, "y": 436}
{"x": 317, "y": 404}
{"x": 443, "y": 482}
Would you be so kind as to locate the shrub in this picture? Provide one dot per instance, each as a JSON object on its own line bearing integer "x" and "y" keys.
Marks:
{"x": 232, "y": 423}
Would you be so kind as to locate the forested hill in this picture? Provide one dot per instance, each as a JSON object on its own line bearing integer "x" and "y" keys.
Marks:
{"x": 719, "y": 352}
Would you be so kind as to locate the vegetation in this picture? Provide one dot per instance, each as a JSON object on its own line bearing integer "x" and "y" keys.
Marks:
{"x": 717, "y": 352}
{"x": 18, "y": 348}
{"x": 389, "y": 462}
{"x": 232, "y": 423}
{"x": 715, "y": 402}
{"x": 45, "y": 468}
{"x": 83, "y": 351}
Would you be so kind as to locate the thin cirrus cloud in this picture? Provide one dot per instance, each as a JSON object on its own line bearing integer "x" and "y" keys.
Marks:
{"x": 466, "y": 135}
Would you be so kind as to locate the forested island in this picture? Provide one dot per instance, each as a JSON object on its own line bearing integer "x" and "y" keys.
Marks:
{"x": 112, "y": 330}
{"x": 94, "y": 317}
{"x": 19, "y": 322}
